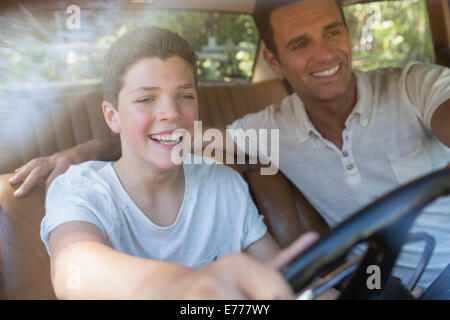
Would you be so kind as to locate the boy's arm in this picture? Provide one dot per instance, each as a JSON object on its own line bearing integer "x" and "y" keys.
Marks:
{"x": 267, "y": 249}
{"x": 52, "y": 166}
{"x": 83, "y": 266}
{"x": 264, "y": 249}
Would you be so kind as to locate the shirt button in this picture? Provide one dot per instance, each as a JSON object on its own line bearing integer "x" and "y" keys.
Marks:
{"x": 345, "y": 154}
{"x": 350, "y": 167}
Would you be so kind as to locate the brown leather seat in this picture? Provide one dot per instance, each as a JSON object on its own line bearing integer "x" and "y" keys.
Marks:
{"x": 24, "y": 264}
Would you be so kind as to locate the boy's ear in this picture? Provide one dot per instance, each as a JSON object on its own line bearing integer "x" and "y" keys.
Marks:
{"x": 111, "y": 116}
{"x": 272, "y": 61}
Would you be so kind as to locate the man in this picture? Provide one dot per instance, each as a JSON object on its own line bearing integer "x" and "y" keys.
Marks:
{"x": 346, "y": 137}
{"x": 371, "y": 131}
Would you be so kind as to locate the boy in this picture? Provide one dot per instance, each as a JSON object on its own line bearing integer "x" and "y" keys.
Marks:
{"x": 143, "y": 227}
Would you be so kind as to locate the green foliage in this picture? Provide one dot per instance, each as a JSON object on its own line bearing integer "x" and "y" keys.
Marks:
{"x": 42, "y": 51}
{"x": 229, "y": 30}
{"x": 389, "y": 33}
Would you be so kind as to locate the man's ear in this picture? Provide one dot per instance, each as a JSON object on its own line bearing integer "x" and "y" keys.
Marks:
{"x": 272, "y": 61}
{"x": 111, "y": 116}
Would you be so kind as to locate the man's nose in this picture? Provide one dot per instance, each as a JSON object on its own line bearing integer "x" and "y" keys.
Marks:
{"x": 323, "y": 51}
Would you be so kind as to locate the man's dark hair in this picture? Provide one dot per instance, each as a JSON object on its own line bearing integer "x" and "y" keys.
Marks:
{"x": 261, "y": 15}
{"x": 136, "y": 45}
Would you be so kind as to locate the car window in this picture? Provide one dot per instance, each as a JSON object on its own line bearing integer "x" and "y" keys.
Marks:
{"x": 389, "y": 33}
{"x": 50, "y": 48}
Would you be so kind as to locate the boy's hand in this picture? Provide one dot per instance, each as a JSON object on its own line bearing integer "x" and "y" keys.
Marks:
{"x": 238, "y": 276}
{"x": 235, "y": 276}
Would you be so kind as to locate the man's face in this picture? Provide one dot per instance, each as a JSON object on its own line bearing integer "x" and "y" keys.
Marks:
{"x": 158, "y": 97}
{"x": 314, "y": 50}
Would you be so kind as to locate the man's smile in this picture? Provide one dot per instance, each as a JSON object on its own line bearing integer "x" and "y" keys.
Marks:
{"x": 327, "y": 73}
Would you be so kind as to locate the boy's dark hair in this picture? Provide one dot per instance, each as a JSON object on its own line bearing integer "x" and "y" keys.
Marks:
{"x": 261, "y": 15}
{"x": 138, "y": 44}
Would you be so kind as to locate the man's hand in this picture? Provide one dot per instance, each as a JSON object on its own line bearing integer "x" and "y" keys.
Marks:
{"x": 42, "y": 168}
{"x": 52, "y": 166}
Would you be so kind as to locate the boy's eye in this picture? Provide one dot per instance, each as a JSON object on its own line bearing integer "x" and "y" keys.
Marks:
{"x": 188, "y": 96}
{"x": 146, "y": 100}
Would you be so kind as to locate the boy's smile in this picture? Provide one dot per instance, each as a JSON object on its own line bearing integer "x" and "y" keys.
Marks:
{"x": 157, "y": 106}
{"x": 167, "y": 139}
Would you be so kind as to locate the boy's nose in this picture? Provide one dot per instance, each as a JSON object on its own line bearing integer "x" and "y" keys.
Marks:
{"x": 169, "y": 111}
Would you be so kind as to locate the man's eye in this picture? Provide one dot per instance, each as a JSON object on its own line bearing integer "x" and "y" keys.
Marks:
{"x": 335, "y": 32}
{"x": 300, "y": 45}
{"x": 188, "y": 96}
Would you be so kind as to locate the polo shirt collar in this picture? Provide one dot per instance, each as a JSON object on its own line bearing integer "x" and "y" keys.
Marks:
{"x": 304, "y": 126}
{"x": 364, "y": 98}
{"x": 363, "y": 107}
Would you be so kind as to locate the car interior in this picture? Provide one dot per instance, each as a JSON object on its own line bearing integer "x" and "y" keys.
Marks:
{"x": 59, "y": 119}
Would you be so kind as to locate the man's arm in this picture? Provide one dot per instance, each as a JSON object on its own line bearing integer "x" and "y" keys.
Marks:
{"x": 96, "y": 149}
{"x": 440, "y": 123}
{"x": 105, "y": 149}
{"x": 83, "y": 266}
{"x": 50, "y": 167}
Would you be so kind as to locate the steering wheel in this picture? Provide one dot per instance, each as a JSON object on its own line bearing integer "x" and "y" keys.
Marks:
{"x": 384, "y": 224}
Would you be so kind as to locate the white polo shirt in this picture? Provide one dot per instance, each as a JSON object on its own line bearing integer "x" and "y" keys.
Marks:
{"x": 387, "y": 142}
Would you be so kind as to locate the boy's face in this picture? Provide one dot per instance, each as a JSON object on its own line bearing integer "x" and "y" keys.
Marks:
{"x": 314, "y": 49}
{"x": 158, "y": 97}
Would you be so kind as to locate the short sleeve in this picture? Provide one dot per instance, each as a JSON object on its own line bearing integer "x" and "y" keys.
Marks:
{"x": 427, "y": 87}
{"x": 63, "y": 214}
{"x": 69, "y": 199}
{"x": 254, "y": 227}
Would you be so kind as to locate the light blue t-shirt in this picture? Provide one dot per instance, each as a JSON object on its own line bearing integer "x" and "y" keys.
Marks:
{"x": 217, "y": 215}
